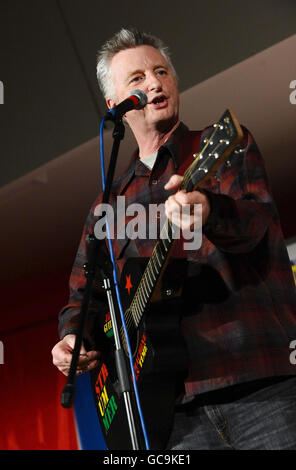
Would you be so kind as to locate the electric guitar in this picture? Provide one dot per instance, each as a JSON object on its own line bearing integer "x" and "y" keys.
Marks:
{"x": 152, "y": 299}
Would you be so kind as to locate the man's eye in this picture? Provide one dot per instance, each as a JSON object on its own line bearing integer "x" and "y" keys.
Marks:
{"x": 161, "y": 72}
{"x": 135, "y": 79}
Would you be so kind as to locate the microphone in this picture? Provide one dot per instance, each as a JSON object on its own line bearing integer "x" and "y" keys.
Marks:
{"x": 136, "y": 100}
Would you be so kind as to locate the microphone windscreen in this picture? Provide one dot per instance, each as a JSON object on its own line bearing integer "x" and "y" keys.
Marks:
{"x": 142, "y": 98}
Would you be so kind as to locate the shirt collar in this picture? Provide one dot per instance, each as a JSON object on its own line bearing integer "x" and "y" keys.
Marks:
{"x": 173, "y": 144}
{"x": 136, "y": 167}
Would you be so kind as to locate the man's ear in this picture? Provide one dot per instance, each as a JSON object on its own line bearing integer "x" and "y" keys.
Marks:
{"x": 110, "y": 103}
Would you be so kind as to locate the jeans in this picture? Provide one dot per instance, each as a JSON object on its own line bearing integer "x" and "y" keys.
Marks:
{"x": 265, "y": 420}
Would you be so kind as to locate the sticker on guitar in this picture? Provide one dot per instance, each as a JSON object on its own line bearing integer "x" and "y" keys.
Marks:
{"x": 141, "y": 354}
{"x": 128, "y": 285}
{"x": 108, "y": 330}
{"x": 107, "y": 406}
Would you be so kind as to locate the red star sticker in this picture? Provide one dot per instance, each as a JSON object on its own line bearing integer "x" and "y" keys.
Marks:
{"x": 128, "y": 285}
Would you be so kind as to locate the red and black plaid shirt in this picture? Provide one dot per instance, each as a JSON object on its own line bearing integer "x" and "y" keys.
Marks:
{"x": 240, "y": 308}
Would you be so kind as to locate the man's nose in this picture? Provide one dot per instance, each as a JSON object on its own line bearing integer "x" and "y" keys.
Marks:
{"x": 154, "y": 83}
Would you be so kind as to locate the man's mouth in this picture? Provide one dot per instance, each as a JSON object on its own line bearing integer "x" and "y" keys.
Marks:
{"x": 159, "y": 101}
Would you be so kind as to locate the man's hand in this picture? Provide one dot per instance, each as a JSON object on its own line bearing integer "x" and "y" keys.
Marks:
{"x": 173, "y": 205}
{"x": 62, "y": 356}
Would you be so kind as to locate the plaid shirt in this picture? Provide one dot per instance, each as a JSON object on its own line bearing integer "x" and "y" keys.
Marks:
{"x": 240, "y": 292}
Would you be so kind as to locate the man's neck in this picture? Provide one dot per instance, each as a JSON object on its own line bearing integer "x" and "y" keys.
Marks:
{"x": 150, "y": 142}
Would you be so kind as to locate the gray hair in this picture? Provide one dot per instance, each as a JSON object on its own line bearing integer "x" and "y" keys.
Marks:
{"x": 125, "y": 39}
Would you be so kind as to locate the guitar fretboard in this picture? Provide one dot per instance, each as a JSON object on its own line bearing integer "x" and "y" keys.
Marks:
{"x": 151, "y": 275}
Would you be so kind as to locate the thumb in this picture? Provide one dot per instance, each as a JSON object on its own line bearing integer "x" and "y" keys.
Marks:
{"x": 174, "y": 182}
{"x": 69, "y": 343}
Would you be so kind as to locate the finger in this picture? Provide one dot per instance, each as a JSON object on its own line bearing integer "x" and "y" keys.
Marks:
{"x": 60, "y": 358}
{"x": 88, "y": 357}
{"x": 83, "y": 351}
{"x": 91, "y": 365}
{"x": 171, "y": 204}
{"x": 84, "y": 360}
{"x": 93, "y": 355}
{"x": 172, "y": 208}
{"x": 193, "y": 197}
{"x": 64, "y": 370}
{"x": 174, "y": 182}
{"x": 67, "y": 343}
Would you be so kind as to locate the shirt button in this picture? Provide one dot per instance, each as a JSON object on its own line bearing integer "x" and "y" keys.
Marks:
{"x": 154, "y": 181}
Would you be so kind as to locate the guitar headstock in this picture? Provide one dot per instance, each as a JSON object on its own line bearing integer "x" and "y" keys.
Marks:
{"x": 225, "y": 136}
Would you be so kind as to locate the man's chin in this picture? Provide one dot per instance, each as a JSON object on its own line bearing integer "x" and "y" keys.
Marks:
{"x": 165, "y": 124}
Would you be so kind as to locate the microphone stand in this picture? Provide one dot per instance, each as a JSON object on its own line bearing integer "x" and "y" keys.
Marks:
{"x": 68, "y": 392}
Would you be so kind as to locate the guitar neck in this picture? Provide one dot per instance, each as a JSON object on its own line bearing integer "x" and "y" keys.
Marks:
{"x": 153, "y": 271}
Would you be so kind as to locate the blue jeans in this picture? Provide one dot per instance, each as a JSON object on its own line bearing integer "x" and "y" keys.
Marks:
{"x": 265, "y": 419}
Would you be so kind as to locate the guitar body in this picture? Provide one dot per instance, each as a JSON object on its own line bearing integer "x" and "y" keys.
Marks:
{"x": 159, "y": 358}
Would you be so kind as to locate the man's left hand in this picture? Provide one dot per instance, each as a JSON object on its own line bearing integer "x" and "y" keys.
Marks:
{"x": 174, "y": 204}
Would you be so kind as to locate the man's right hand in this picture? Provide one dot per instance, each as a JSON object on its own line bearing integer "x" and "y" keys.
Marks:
{"x": 62, "y": 356}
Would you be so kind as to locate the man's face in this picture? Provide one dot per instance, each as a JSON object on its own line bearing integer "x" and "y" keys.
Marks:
{"x": 145, "y": 68}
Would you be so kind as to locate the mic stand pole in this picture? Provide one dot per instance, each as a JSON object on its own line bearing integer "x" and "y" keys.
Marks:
{"x": 68, "y": 393}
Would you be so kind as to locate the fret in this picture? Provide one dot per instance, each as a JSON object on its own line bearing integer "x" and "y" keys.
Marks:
{"x": 164, "y": 235}
{"x": 137, "y": 314}
{"x": 162, "y": 249}
{"x": 144, "y": 287}
{"x": 148, "y": 280}
{"x": 140, "y": 309}
{"x": 166, "y": 243}
{"x": 159, "y": 252}
{"x": 153, "y": 262}
{"x": 135, "y": 304}
{"x": 148, "y": 273}
{"x": 154, "y": 267}
{"x": 131, "y": 325}
{"x": 175, "y": 231}
{"x": 137, "y": 319}
{"x": 156, "y": 254}
{"x": 170, "y": 231}
{"x": 169, "y": 238}
{"x": 141, "y": 299}
{"x": 150, "y": 264}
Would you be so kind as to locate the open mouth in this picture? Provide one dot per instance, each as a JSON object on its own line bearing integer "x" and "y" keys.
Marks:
{"x": 159, "y": 101}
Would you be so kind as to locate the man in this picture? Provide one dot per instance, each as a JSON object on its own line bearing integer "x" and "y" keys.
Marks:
{"x": 240, "y": 316}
